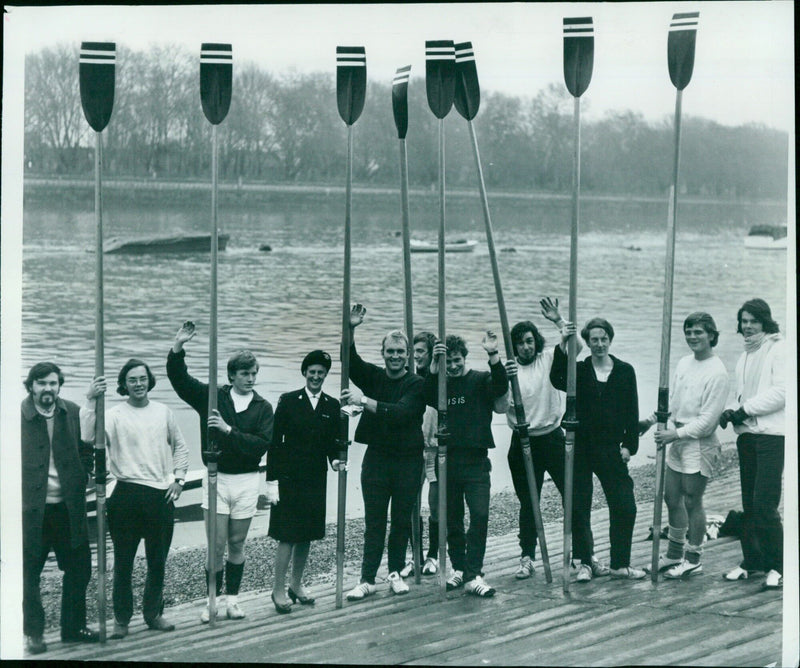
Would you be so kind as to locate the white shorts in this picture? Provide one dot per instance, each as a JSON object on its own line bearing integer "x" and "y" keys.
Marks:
{"x": 237, "y": 494}
{"x": 693, "y": 456}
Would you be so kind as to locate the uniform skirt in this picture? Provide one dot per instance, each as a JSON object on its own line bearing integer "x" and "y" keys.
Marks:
{"x": 299, "y": 516}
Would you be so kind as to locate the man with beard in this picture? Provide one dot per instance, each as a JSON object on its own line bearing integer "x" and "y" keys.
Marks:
{"x": 55, "y": 468}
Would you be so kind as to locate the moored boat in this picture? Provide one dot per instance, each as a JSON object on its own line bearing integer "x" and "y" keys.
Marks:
{"x": 169, "y": 243}
{"x": 457, "y": 246}
{"x": 766, "y": 237}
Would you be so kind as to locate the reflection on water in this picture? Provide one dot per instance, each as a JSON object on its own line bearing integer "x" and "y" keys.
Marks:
{"x": 283, "y": 303}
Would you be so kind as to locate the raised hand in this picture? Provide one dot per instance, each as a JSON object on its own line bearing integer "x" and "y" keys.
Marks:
{"x": 357, "y": 314}
{"x": 549, "y": 306}
{"x": 185, "y": 333}
{"x": 96, "y": 387}
{"x": 489, "y": 342}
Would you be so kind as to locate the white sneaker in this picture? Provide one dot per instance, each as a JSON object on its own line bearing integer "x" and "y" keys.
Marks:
{"x": 664, "y": 563}
{"x": 455, "y": 581}
{"x": 525, "y": 569}
{"x": 683, "y": 570}
{"x": 584, "y": 573}
{"x": 408, "y": 569}
{"x": 599, "y": 569}
{"x": 234, "y": 611}
{"x": 361, "y": 591}
{"x": 431, "y": 566}
{"x": 737, "y": 573}
{"x": 627, "y": 573}
{"x": 397, "y": 584}
{"x": 774, "y": 580}
{"x": 478, "y": 587}
{"x": 205, "y": 616}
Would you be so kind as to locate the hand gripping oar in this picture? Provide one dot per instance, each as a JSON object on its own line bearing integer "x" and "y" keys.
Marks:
{"x": 400, "y": 111}
{"x": 216, "y": 77}
{"x": 97, "y": 75}
{"x": 578, "y": 62}
{"x": 680, "y": 58}
{"x": 351, "y": 89}
{"x": 440, "y": 65}
{"x": 467, "y": 100}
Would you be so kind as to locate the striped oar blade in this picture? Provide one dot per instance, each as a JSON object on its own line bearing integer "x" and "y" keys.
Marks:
{"x": 440, "y": 79}
{"x": 351, "y": 81}
{"x": 400, "y": 100}
{"x": 216, "y": 80}
{"x": 468, "y": 91}
{"x": 680, "y": 48}
{"x": 97, "y": 74}
{"x": 578, "y": 54}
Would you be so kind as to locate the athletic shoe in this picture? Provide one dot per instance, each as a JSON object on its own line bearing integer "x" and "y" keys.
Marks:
{"x": 234, "y": 611}
{"x": 627, "y": 573}
{"x": 737, "y": 573}
{"x": 120, "y": 631}
{"x": 774, "y": 580}
{"x": 584, "y": 573}
{"x": 599, "y": 570}
{"x": 361, "y": 591}
{"x": 684, "y": 570}
{"x": 478, "y": 587}
{"x": 205, "y": 616}
{"x": 455, "y": 581}
{"x": 408, "y": 569}
{"x": 525, "y": 569}
{"x": 397, "y": 584}
{"x": 431, "y": 566}
{"x": 664, "y": 564}
{"x": 160, "y": 624}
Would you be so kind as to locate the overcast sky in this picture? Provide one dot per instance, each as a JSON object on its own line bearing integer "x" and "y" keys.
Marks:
{"x": 744, "y": 66}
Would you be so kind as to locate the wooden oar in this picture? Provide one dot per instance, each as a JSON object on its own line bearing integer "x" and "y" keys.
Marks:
{"x": 680, "y": 58}
{"x": 351, "y": 90}
{"x": 97, "y": 75}
{"x": 440, "y": 65}
{"x": 216, "y": 84}
{"x": 467, "y": 101}
{"x": 400, "y": 111}
{"x": 578, "y": 62}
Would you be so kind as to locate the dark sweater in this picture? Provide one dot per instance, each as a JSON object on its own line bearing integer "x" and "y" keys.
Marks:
{"x": 396, "y": 427}
{"x": 251, "y": 430}
{"x": 608, "y": 413}
{"x": 470, "y": 400}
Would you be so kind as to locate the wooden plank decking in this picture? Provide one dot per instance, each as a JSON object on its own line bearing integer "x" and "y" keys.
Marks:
{"x": 703, "y": 621}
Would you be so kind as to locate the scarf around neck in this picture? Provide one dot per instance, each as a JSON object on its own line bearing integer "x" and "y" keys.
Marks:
{"x": 754, "y": 342}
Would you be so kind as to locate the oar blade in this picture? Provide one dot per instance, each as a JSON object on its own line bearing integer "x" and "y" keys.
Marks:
{"x": 216, "y": 80}
{"x": 680, "y": 48}
{"x": 467, "y": 92}
{"x": 351, "y": 81}
{"x": 97, "y": 74}
{"x": 400, "y": 100}
{"x": 578, "y": 54}
{"x": 440, "y": 79}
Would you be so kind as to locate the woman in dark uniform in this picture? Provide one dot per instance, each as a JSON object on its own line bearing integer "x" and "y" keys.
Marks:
{"x": 305, "y": 432}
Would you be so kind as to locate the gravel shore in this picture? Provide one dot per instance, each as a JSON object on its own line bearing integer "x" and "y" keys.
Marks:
{"x": 185, "y": 579}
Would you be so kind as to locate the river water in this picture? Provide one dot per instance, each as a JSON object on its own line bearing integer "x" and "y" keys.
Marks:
{"x": 283, "y": 303}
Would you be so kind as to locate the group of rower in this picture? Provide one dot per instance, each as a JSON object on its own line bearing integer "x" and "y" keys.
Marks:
{"x": 148, "y": 457}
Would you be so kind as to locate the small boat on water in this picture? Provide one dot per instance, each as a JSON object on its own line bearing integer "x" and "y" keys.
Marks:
{"x": 766, "y": 237}
{"x": 457, "y": 246}
{"x": 170, "y": 243}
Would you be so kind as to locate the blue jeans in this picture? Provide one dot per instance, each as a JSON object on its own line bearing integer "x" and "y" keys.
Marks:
{"x": 761, "y": 471}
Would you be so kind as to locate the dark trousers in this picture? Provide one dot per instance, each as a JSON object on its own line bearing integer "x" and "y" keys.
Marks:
{"x": 76, "y": 564}
{"x": 547, "y": 455}
{"x": 137, "y": 512}
{"x": 761, "y": 471}
{"x": 468, "y": 480}
{"x": 606, "y": 463}
{"x": 386, "y": 478}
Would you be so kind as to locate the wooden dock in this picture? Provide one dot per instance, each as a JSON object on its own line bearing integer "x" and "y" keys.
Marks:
{"x": 702, "y": 621}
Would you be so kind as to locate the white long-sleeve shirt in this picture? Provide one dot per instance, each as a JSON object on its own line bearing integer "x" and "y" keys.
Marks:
{"x": 697, "y": 396}
{"x": 544, "y": 404}
{"x": 145, "y": 445}
{"x": 767, "y": 406}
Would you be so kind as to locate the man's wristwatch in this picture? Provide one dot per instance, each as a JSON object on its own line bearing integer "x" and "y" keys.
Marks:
{"x": 180, "y": 481}
{"x": 364, "y": 401}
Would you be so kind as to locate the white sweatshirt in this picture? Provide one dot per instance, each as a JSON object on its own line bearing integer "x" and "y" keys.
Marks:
{"x": 767, "y": 407}
{"x": 697, "y": 396}
{"x": 544, "y": 404}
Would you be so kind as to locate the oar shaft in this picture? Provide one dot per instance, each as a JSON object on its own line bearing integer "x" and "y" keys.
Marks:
{"x": 99, "y": 370}
{"x": 519, "y": 408}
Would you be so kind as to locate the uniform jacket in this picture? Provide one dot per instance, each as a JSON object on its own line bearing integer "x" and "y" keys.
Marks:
{"x": 73, "y": 461}
{"x": 303, "y": 437}
{"x": 242, "y": 449}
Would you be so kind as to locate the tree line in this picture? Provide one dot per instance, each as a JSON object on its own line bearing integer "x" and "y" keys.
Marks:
{"x": 286, "y": 129}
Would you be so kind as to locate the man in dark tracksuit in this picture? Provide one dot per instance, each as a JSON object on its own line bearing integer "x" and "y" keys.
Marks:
{"x": 471, "y": 397}
{"x": 55, "y": 469}
{"x": 391, "y": 426}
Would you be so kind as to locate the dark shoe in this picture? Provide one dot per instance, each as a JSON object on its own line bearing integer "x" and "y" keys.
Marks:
{"x": 281, "y": 608}
{"x": 82, "y": 635}
{"x": 120, "y": 631}
{"x": 35, "y": 645}
{"x": 304, "y": 600}
{"x": 160, "y": 624}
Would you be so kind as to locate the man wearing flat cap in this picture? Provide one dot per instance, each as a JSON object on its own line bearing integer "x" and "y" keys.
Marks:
{"x": 303, "y": 438}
